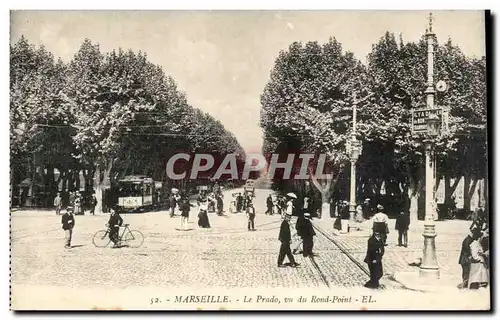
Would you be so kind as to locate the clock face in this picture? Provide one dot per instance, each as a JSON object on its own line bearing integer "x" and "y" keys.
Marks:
{"x": 441, "y": 86}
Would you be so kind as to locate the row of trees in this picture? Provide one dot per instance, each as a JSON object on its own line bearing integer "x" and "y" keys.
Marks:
{"x": 307, "y": 106}
{"x": 104, "y": 114}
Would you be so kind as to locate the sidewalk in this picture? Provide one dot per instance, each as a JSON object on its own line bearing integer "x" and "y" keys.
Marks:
{"x": 402, "y": 263}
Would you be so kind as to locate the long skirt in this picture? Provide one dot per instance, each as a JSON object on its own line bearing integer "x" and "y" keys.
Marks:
{"x": 337, "y": 225}
{"x": 478, "y": 273}
{"x": 203, "y": 219}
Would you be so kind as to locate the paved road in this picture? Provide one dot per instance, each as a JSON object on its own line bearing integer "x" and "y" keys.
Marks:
{"x": 227, "y": 255}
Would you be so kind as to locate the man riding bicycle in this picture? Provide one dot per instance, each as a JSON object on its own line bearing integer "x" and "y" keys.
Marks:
{"x": 114, "y": 223}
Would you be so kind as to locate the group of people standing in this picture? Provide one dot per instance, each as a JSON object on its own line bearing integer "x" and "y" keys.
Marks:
{"x": 75, "y": 203}
{"x": 304, "y": 229}
{"x": 475, "y": 256}
{"x": 278, "y": 205}
{"x": 242, "y": 201}
{"x": 181, "y": 202}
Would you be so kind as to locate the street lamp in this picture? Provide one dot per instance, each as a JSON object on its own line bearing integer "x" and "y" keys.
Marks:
{"x": 429, "y": 267}
{"x": 354, "y": 148}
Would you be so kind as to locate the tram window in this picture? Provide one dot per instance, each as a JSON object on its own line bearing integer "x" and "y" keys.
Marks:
{"x": 147, "y": 190}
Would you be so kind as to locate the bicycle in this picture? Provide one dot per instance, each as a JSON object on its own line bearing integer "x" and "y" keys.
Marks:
{"x": 132, "y": 238}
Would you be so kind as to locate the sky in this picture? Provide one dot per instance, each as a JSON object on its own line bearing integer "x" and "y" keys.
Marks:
{"x": 222, "y": 59}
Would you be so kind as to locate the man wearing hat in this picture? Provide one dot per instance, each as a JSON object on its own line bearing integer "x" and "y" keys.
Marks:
{"x": 285, "y": 238}
{"x": 68, "y": 222}
{"x": 381, "y": 224}
{"x": 373, "y": 258}
{"x": 307, "y": 236}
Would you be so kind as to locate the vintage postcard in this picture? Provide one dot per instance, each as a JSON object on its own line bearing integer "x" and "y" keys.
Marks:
{"x": 249, "y": 160}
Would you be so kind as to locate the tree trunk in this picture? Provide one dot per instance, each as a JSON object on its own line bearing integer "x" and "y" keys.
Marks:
{"x": 326, "y": 190}
{"x": 467, "y": 183}
{"x": 469, "y": 192}
{"x": 77, "y": 180}
{"x": 71, "y": 180}
{"x": 449, "y": 188}
{"x": 101, "y": 183}
{"x": 50, "y": 186}
{"x": 88, "y": 176}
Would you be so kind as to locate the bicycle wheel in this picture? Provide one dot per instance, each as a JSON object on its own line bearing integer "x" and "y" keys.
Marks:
{"x": 101, "y": 239}
{"x": 133, "y": 239}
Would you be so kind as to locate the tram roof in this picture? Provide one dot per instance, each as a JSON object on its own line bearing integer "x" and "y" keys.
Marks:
{"x": 135, "y": 179}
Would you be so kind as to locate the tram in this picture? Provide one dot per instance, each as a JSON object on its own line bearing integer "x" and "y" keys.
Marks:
{"x": 135, "y": 193}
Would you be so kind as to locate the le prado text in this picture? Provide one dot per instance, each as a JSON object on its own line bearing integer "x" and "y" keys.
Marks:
{"x": 265, "y": 299}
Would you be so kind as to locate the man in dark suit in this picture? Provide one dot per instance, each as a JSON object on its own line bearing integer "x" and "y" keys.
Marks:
{"x": 374, "y": 254}
{"x": 68, "y": 222}
{"x": 114, "y": 223}
{"x": 307, "y": 236}
{"x": 402, "y": 224}
{"x": 465, "y": 259}
{"x": 285, "y": 238}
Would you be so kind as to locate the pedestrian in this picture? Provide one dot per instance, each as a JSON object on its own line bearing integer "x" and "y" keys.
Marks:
{"x": 93, "y": 203}
{"x": 337, "y": 224}
{"x": 185, "y": 207}
{"x": 203, "y": 221}
{"x": 307, "y": 236}
{"x": 58, "y": 203}
{"x": 114, "y": 223}
{"x": 220, "y": 203}
{"x": 305, "y": 205}
{"x": 211, "y": 202}
{"x": 239, "y": 202}
{"x": 367, "y": 209}
{"x": 358, "y": 217}
{"x": 269, "y": 205}
{"x": 465, "y": 260}
{"x": 380, "y": 223}
{"x": 478, "y": 273}
{"x": 173, "y": 201}
{"x": 68, "y": 223}
{"x": 402, "y": 225}
{"x": 71, "y": 199}
{"x": 285, "y": 238}
{"x": 251, "y": 216}
{"x": 373, "y": 258}
{"x": 78, "y": 203}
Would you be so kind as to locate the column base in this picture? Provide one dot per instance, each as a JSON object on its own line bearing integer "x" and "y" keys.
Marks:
{"x": 429, "y": 273}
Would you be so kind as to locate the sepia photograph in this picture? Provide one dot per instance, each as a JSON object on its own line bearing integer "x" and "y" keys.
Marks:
{"x": 249, "y": 160}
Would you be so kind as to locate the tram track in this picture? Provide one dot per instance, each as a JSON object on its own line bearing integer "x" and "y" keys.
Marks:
{"x": 342, "y": 249}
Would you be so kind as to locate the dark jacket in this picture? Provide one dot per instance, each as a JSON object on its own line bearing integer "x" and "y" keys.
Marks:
{"x": 285, "y": 235}
{"x": 402, "y": 222}
{"x": 68, "y": 221}
{"x": 269, "y": 202}
{"x": 185, "y": 206}
{"x": 172, "y": 201}
{"x": 299, "y": 225}
{"x": 308, "y": 231}
{"x": 465, "y": 254}
{"x": 375, "y": 250}
{"x": 114, "y": 220}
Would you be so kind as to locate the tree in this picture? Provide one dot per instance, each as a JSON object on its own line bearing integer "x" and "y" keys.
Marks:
{"x": 36, "y": 83}
{"x": 398, "y": 75}
{"x": 306, "y": 105}
{"x": 124, "y": 105}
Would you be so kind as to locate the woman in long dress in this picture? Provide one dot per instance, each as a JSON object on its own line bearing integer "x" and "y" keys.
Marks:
{"x": 203, "y": 215}
{"x": 478, "y": 273}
